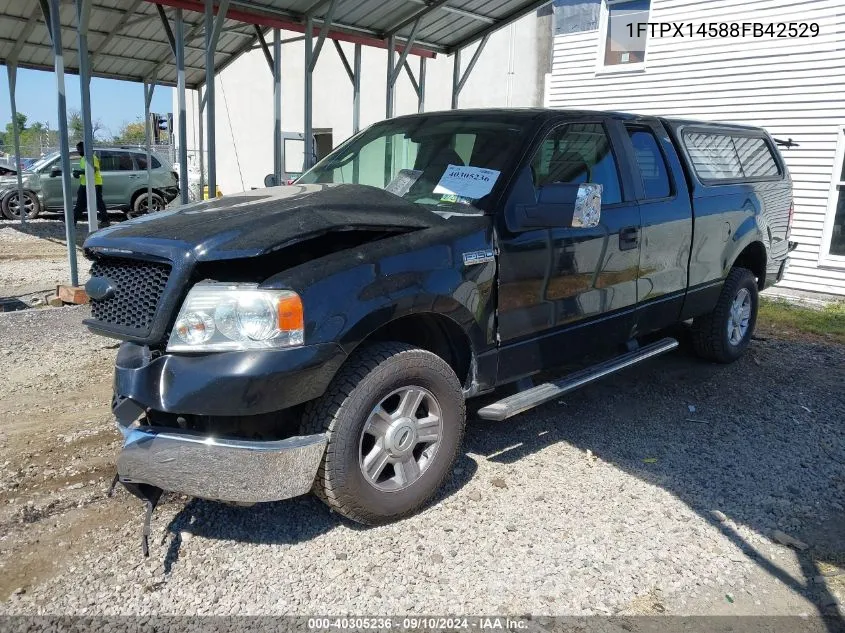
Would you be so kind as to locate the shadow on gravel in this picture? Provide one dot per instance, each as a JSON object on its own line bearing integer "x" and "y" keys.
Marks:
{"x": 765, "y": 444}
{"x": 282, "y": 522}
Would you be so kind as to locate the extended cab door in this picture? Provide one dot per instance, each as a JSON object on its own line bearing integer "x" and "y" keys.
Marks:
{"x": 567, "y": 291}
{"x": 666, "y": 215}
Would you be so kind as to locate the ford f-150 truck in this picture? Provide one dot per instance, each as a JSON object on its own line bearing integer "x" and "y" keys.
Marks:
{"x": 325, "y": 336}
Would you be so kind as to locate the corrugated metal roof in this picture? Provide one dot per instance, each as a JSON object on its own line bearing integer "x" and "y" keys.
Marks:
{"x": 127, "y": 40}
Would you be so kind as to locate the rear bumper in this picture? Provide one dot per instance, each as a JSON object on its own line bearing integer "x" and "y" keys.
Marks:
{"x": 170, "y": 193}
{"x": 217, "y": 468}
{"x": 776, "y": 268}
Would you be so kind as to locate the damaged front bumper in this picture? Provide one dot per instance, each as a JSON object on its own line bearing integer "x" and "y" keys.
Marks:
{"x": 196, "y": 465}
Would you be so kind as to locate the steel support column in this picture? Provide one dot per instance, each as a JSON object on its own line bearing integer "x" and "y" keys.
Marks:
{"x": 201, "y": 138}
{"x": 356, "y": 90}
{"x": 458, "y": 80}
{"x": 149, "y": 87}
{"x": 83, "y": 12}
{"x": 421, "y": 91}
{"x": 389, "y": 82}
{"x": 212, "y": 33}
{"x": 51, "y": 9}
{"x": 182, "y": 126}
{"x": 12, "y": 71}
{"x": 312, "y": 54}
{"x": 308, "y": 123}
{"x": 278, "y": 148}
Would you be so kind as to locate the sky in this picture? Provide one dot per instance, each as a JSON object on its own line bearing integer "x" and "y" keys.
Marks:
{"x": 112, "y": 102}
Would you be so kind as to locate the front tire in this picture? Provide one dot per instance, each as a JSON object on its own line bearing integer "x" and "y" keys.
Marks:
{"x": 724, "y": 334}
{"x": 395, "y": 417}
{"x": 10, "y": 207}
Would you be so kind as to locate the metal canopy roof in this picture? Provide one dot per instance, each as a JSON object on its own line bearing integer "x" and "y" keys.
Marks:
{"x": 128, "y": 41}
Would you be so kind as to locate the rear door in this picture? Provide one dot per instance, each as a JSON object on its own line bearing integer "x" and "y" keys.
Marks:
{"x": 666, "y": 215}
{"x": 567, "y": 291}
{"x": 119, "y": 175}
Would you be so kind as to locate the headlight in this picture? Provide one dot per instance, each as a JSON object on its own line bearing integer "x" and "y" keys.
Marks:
{"x": 219, "y": 317}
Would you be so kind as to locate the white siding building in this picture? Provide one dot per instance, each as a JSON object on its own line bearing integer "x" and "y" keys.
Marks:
{"x": 795, "y": 88}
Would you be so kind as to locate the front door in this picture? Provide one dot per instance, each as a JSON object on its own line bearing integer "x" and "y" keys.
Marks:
{"x": 567, "y": 291}
{"x": 51, "y": 186}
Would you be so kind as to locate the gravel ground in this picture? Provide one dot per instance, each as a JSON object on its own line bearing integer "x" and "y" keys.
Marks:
{"x": 659, "y": 490}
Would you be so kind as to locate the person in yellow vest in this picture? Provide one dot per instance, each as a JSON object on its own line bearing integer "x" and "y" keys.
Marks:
{"x": 81, "y": 200}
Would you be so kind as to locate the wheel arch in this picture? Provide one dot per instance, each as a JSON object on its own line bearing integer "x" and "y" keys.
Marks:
{"x": 753, "y": 257}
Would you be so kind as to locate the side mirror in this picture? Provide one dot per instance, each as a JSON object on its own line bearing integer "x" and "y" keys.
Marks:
{"x": 560, "y": 205}
{"x": 55, "y": 171}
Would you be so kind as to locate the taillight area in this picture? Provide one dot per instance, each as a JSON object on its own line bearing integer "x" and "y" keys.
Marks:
{"x": 176, "y": 179}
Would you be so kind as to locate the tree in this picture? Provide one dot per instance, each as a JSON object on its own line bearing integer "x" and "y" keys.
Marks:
{"x": 75, "y": 128}
{"x": 131, "y": 133}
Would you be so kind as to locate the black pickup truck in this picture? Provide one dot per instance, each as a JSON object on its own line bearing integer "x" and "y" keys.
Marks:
{"x": 325, "y": 336}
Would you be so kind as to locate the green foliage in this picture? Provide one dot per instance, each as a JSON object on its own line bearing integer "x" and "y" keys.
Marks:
{"x": 131, "y": 133}
{"x": 786, "y": 318}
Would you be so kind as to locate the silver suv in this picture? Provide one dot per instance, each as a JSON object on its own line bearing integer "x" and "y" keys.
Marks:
{"x": 124, "y": 172}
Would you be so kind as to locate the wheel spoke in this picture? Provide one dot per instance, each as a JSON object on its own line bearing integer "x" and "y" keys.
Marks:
{"x": 410, "y": 403}
{"x": 428, "y": 429}
{"x": 407, "y": 470}
{"x": 378, "y": 423}
{"x": 375, "y": 461}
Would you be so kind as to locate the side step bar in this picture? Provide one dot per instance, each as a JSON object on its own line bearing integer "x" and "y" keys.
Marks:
{"x": 540, "y": 394}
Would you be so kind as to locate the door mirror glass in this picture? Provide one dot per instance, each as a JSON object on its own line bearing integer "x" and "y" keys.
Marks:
{"x": 560, "y": 205}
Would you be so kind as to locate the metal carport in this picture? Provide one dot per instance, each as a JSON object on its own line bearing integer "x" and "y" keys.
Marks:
{"x": 184, "y": 43}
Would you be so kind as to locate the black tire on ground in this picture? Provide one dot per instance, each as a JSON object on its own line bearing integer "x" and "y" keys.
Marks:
{"x": 8, "y": 205}
{"x": 366, "y": 381}
{"x": 139, "y": 205}
{"x": 712, "y": 336}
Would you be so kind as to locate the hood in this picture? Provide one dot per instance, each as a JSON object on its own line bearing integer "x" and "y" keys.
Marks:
{"x": 264, "y": 220}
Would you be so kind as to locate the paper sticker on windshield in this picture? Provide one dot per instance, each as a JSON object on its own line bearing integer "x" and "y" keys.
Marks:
{"x": 403, "y": 181}
{"x": 467, "y": 182}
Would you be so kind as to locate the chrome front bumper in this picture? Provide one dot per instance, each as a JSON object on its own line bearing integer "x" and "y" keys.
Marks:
{"x": 223, "y": 469}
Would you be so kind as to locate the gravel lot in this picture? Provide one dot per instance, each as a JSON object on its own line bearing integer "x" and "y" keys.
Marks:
{"x": 603, "y": 503}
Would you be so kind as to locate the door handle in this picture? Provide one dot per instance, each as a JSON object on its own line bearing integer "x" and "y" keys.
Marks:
{"x": 629, "y": 238}
{"x": 134, "y": 176}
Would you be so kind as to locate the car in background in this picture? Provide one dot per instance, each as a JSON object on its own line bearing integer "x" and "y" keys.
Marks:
{"x": 124, "y": 172}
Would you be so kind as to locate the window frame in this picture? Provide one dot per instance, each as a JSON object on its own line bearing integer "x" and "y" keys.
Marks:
{"x": 825, "y": 258}
{"x": 673, "y": 188}
{"x": 604, "y": 25}
{"x": 716, "y": 182}
{"x": 556, "y": 125}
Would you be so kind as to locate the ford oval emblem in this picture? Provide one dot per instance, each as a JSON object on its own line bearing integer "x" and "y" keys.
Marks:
{"x": 99, "y": 288}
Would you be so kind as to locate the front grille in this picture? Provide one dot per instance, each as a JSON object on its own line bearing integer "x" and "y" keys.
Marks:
{"x": 138, "y": 286}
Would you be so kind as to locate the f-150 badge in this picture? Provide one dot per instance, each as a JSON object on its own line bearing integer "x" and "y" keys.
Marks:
{"x": 478, "y": 257}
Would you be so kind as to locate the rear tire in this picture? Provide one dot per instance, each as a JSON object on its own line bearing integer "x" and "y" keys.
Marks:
{"x": 368, "y": 473}
{"x": 10, "y": 208}
{"x": 724, "y": 334}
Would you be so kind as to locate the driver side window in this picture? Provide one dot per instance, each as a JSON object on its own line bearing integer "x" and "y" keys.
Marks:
{"x": 576, "y": 153}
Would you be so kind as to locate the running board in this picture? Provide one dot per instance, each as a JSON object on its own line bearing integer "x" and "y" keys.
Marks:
{"x": 540, "y": 394}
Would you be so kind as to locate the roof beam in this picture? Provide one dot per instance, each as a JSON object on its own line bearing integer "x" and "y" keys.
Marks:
{"x": 456, "y": 11}
{"x": 121, "y": 24}
{"x": 498, "y": 24}
{"x": 24, "y": 35}
{"x": 251, "y": 13}
{"x": 267, "y": 54}
{"x": 415, "y": 17}
{"x": 167, "y": 30}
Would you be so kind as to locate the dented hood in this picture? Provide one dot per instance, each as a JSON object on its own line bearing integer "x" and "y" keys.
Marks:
{"x": 264, "y": 220}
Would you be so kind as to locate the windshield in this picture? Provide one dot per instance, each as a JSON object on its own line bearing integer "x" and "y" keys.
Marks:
{"x": 430, "y": 160}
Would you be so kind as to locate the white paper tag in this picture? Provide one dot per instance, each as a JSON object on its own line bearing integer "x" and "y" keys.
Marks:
{"x": 467, "y": 182}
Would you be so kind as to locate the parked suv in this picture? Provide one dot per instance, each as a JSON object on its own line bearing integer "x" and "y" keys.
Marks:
{"x": 124, "y": 173}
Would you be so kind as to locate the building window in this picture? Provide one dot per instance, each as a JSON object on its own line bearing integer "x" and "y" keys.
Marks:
{"x": 625, "y": 41}
{"x": 833, "y": 242}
